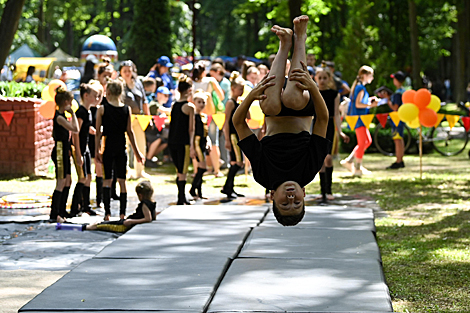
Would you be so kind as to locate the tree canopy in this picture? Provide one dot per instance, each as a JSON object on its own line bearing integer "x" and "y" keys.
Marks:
{"x": 382, "y": 33}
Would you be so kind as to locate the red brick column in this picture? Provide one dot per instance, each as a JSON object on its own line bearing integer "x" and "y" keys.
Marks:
{"x": 27, "y": 143}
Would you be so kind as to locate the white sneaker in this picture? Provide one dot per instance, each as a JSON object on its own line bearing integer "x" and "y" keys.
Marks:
{"x": 365, "y": 171}
{"x": 357, "y": 173}
{"x": 349, "y": 165}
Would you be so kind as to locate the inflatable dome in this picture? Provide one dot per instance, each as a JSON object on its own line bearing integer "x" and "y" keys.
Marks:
{"x": 98, "y": 46}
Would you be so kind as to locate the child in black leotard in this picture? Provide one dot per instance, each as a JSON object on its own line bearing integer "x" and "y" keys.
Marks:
{"x": 200, "y": 142}
{"x": 61, "y": 153}
{"x": 181, "y": 136}
{"x": 145, "y": 212}
{"x": 90, "y": 95}
{"x": 326, "y": 85}
{"x": 288, "y": 157}
{"x": 115, "y": 117}
{"x": 231, "y": 136}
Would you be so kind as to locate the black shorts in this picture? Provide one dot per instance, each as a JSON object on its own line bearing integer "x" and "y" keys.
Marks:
{"x": 330, "y": 132}
{"x": 180, "y": 156}
{"x": 61, "y": 157}
{"x": 85, "y": 169}
{"x": 308, "y": 110}
{"x": 114, "y": 160}
{"x": 236, "y": 152}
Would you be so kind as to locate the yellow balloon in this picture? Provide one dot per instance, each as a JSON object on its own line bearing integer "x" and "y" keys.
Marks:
{"x": 74, "y": 108}
{"x": 407, "y": 112}
{"x": 45, "y": 95}
{"x": 53, "y": 85}
{"x": 435, "y": 103}
{"x": 414, "y": 124}
{"x": 256, "y": 113}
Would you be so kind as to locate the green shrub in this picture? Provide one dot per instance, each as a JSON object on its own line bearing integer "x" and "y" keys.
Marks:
{"x": 22, "y": 90}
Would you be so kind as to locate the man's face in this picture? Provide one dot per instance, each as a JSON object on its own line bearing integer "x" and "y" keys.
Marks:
{"x": 162, "y": 98}
{"x": 289, "y": 198}
{"x": 311, "y": 60}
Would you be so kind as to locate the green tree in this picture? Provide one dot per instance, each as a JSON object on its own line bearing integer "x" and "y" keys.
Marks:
{"x": 150, "y": 32}
{"x": 8, "y": 26}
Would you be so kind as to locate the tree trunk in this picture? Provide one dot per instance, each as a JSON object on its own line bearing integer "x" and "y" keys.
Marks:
{"x": 460, "y": 86}
{"x": 294, "y": 10}
{"x": 9, "y": 26}
{"x": 416, "y": 63}
{"x": 41, "y": 32}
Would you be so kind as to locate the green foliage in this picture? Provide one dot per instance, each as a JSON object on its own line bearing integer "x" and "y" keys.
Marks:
{"x": 22, "y": 90}
{"x": 150, "y": 33}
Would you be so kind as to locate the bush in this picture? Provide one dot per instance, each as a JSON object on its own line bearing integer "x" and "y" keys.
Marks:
{"x": 22, "y": 90}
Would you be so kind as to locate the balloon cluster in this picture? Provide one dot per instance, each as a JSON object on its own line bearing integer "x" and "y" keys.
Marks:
{"x": 419, "y": 108}
{"x": 48, "y": 106}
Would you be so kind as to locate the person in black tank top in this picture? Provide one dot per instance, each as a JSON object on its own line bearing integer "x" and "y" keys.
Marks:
{"x": 89, "y": 94}
{"x": 231, "y": 136}
{"x": 105, "y": 71}
{"x": 181, "y": 136}
{"x": 201, "y": 139}
{"x": 61, "y": 153}
{"x": 326, "y": 84}
{"x": 145, "y": 212}
{"x": 288, "y": 157}
{"x": 115, "y": 118}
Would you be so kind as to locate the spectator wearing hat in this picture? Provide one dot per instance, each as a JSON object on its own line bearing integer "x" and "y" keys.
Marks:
{"x": 394, "y": 103}
{"x": 161, "y": 69}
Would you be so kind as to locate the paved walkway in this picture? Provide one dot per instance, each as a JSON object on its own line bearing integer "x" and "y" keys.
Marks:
{"x": 232, "y": 258}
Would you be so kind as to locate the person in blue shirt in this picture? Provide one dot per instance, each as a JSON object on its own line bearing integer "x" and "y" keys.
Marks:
{"x": 161, "y": 69}
{"x": 394, "y": 103}
{"x": 360, "y": 104}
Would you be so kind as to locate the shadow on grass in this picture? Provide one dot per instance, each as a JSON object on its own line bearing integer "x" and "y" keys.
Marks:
{"x": 26, "y": 178}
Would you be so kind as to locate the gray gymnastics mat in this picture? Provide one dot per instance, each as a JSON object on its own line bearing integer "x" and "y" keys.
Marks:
{"x": 316, "y": 285}
{"x": 179, "y": 239}
{"x": 304, "y": 243}
{"x": 135, "y": 285}
{"x": 336, "y": 217}
{"x": 252, "y": 214}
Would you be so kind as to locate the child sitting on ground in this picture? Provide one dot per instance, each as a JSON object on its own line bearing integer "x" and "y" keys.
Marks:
{"x": 145, "y": 212}
{"x": 288, "y": 157}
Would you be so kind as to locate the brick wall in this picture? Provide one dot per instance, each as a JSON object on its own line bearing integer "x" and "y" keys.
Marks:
{"x": 27, "y": 143}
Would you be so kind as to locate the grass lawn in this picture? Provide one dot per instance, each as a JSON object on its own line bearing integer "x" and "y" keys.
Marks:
{"x": 424, "y": 241}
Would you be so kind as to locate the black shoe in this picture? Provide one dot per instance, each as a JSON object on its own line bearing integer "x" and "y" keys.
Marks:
{"x": 115, "y": 197}
{"x": 90, "y": 212}
{"x": 239, "y": 194}
{"x": 150, "y": 164}
{"x": 230, "y": 194}
{"x": 396, "y": 166}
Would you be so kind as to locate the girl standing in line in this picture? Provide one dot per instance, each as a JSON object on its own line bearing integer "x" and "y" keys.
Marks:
{"x": 115, "y": 117}
{"x": 231, "y": 136}
{"x": 200, "y": 142}
{"x": 61, "y": 153}
{"x": 331, "y": 96}
{"x": 181, "y": 136}
{"x": 360, "y": 104}
{"x": 90, "y": 95}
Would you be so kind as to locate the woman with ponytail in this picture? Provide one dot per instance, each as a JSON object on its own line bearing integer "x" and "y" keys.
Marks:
{"x": 360, "y": 104}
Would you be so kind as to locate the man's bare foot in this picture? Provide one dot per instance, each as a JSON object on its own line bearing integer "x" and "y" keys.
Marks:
{"x": 300, "y": 26}
{"x": 106, "y": 217}
{"x": 60, "y": 219}
{"x": 284, "y": 34}
{"x": 329, "y": 196}
{"x": 122, "y": 216}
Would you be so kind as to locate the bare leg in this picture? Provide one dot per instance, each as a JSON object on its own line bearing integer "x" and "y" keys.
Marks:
{"x": 399, "y": 149}
{"x": 215, "y": 158}
{"x": 272, "y": 104}
{"x": 293, "y": 97}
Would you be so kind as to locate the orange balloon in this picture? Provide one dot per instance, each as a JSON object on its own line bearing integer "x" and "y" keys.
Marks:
{"x": 427, "y": 117}
{"x": 408, "y": 96}
{"x": 422, "y": 98}
{"x": 53, "y": 86}
{"x": 47, "y": 109}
